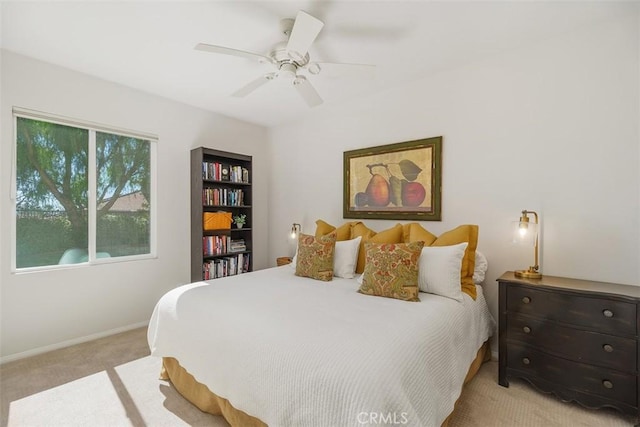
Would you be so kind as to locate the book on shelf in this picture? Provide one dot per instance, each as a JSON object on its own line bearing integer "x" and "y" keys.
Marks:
{"x": 222, "y": 197}
{"x": 237, "y": 246}
{"x": 215, "y": 171}
{"x": 211, "y": 171}
{"x": 226, "y": 266}
{"x": 220, "y": 245}
{"x": 215, "y": 245}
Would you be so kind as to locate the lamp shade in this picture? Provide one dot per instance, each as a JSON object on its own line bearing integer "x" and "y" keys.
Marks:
{"x": 296, "y": 229}
{"x": 524, "y": 233}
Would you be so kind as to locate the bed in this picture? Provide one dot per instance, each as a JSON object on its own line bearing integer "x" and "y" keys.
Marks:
{"x": 270, "y": 347}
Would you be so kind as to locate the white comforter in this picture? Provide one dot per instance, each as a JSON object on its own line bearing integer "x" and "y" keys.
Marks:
{"x": 293, "y": 351}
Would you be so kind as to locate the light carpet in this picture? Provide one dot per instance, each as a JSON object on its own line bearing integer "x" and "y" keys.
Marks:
{"x": 114, "y": 382}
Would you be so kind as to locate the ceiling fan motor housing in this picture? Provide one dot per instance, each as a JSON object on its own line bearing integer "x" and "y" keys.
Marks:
{"x": 280, "y": 55}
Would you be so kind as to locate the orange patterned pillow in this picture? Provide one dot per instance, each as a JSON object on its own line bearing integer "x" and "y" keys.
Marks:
{"x": 390, "y": 235}
{"x": 391, "y": 270}
{"x": 315, "y": 256}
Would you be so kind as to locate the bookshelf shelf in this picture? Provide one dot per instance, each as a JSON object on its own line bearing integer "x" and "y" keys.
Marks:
{"x": 226, "y": 254}
{"x": 227, "y": 206}
{"x": 231, "y": 183}
{"x": 210, "y": 258}
{"x": 224, "y": 231}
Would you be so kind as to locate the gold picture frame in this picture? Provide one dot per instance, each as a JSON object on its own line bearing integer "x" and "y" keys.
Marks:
{"x": 395, "y": 181}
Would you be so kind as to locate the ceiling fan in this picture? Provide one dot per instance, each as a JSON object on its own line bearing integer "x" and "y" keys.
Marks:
{"x": 289, "y": 57}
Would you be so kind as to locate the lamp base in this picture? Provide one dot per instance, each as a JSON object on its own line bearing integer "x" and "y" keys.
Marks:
{"x": 527, "y": 274}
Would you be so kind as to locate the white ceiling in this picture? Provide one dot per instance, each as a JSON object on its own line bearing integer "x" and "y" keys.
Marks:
{"x": 150, "y": 45}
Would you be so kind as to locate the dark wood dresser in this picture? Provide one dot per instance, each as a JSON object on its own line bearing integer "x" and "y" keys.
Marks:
{"x": 577, "y": 339}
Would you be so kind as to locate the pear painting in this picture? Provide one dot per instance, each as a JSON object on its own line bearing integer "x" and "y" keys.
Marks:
{"x": 390, "y": 184}
{"x": 395, "y": 181}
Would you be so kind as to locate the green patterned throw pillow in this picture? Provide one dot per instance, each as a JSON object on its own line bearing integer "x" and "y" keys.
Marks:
{"x": 315, "y": 256}
{"x": 391, "y": 270}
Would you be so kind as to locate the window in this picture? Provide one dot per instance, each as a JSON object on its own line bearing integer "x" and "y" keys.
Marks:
{"x": 82, "y": 193}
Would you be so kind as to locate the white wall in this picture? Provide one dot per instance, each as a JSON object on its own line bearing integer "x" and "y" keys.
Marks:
{"x": 44, "y": 309}
{"x": 551, "y": 127}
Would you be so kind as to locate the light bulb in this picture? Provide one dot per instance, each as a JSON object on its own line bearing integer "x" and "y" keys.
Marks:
{"x": 295, "y": 230}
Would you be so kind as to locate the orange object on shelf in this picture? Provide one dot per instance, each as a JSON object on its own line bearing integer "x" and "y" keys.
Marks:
{"x": 216, "y": 220}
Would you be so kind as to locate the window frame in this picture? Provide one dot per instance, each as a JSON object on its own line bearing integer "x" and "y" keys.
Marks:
{"x": 92, "y": 128}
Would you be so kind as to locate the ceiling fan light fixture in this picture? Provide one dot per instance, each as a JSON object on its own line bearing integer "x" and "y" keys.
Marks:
{"x": 287, "y": 71}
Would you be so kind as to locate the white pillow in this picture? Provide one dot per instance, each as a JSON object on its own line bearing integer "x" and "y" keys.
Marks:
{"x": 294, "y": 260}
{"x": 439, "y": 270}
{"x": 481, "y": 267}
{"x": 345, "y": 258}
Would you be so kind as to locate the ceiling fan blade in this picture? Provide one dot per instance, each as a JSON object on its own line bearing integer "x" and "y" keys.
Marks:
{"x": 305, "y": 30}
{"x": 253, "y": 85}
{"x": 307, "y": 91}
{"x": 339, "y": 69}
{"x": 233, "y": 52}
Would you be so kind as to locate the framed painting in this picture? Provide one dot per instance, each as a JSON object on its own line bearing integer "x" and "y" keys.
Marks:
{"x": 395, "y": 181}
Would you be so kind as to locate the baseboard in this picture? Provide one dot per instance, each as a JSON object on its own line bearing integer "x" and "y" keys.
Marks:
{"x": 68, "y": 343}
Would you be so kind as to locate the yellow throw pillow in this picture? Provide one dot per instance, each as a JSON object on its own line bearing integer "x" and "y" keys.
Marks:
{"x": 361, "y": 230}
{"x": 391, "y": 235}
{"x": 405, "y": 232}
{"x": 417, "y": 233}
{"x": 315, "y": 256}
{"x": 391, "y": 270}
{"x": 465, "y": 233}
{"x": 342, "y": 233}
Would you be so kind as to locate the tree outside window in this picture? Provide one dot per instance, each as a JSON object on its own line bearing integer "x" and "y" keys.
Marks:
{"x": 52, "y": 194}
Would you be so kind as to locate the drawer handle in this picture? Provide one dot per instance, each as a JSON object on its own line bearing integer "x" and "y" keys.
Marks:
{"x": 607, "y": 313}
{"x": 526, "y": 329}
{"x": 608, "y": 348}
{"x": 607, "y": 384}
{"x": 526, "y": 361}
{"x": 526, "y": 300}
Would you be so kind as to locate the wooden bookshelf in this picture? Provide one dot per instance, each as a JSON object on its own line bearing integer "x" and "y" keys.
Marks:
{"x": 220, "y": 182}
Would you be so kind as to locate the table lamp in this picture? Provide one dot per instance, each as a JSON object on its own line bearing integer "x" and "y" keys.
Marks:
{"x": 526, "y": 232}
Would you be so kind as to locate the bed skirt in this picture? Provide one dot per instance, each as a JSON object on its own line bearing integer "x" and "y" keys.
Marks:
{"x": 200, "y": 396}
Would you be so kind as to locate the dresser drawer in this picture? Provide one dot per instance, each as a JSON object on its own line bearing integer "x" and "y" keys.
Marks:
{"x": 603, "y": 382}
{"x": 582, "y": 346}
{"x": 598, "y": 314}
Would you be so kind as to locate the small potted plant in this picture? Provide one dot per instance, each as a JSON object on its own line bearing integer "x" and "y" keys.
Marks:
{"x": 239, "y": 220}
